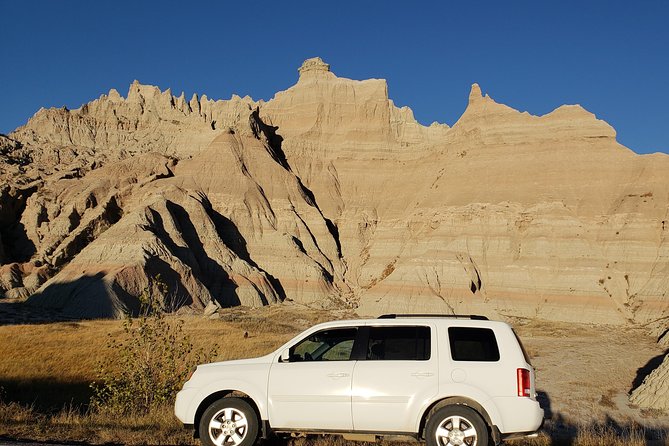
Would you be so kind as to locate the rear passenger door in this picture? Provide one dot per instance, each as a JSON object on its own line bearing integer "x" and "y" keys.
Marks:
{"x": 393, "y": 378}
{"x": 475, "y": 361}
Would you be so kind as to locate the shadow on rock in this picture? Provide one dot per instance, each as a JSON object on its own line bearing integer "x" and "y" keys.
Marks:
{"x": 647, "y": 369}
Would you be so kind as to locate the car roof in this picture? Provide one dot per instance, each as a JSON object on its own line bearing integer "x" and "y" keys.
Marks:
{"x": 413, "y": 320}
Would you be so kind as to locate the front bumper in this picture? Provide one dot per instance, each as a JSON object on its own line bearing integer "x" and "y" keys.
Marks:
{"x": 183, "y": 406}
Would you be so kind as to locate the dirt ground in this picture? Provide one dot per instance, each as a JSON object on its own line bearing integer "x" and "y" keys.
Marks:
{"x": 585, "y": 372}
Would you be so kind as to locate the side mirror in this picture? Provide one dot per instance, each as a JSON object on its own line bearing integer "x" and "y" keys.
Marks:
{"x": 285, "y": 356}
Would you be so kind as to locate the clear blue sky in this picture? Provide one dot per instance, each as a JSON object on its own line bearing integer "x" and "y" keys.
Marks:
{"x": 612, "y": 57}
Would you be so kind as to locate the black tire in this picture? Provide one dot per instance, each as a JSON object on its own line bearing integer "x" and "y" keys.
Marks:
{"x": 237, "y": 424}
{"x": 470, "y": 431}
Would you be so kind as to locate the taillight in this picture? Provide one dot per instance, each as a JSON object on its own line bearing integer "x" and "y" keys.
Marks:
{"x": 523, "y": 382}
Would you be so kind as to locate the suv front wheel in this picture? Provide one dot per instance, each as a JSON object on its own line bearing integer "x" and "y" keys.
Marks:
{"x": 229, "y": 422}
{"x": 456, "y": 425}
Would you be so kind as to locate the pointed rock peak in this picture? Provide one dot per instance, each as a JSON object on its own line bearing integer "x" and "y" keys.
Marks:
{"x": 313, "y": 64}
{"x": 194, "y": 103}
{"x": 114, "y": 95}
{"x": 138, "y": 90}
{"x": 314, "y": 67}
{"x": 475, "y": 93}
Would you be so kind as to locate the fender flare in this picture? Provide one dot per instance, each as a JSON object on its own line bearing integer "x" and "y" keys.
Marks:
{"x": 219, "y": 389}
{"x": 486, "y": 409}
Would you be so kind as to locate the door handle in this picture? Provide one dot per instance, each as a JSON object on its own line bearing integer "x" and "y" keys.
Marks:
{"x": 338, "y": 375}
{"x": 422, "y": 374}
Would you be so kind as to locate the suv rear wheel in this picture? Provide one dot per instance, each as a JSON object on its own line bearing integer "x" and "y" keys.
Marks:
{"x": 229, "y": 422}
{"x": 456, "y": 425}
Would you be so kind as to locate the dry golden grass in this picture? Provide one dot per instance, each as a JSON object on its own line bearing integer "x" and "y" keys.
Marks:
{"x": 161, "y": 428}
{"x": 597, "y": 435}
{"x": 65, "y": 354}
{"x": 71, "y": 425}
{"x": 46, "y": 370}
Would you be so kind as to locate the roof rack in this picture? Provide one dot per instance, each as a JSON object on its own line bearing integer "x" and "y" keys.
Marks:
{"x": 475, "y": 317}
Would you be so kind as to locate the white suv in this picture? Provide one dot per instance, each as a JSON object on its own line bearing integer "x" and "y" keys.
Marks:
{"x": 451, "y": 380}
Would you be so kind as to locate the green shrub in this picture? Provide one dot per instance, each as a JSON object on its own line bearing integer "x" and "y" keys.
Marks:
{"x": 150, "y": 363}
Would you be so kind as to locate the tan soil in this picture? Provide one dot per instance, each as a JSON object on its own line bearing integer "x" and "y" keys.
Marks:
{"x": 586, "y": 371}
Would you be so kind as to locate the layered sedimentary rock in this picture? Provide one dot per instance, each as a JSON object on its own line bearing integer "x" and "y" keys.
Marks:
{"x": 201, "y": 225}
{"x": 329, "y": 194}
{"x": 653, "y": 393}
{"x": 534, "y": 216}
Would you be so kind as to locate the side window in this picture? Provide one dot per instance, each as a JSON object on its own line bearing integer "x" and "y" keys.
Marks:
{"x": 473, "y": 344}
{"x": 334, "y": 344}
{"x": 399, "y": 343}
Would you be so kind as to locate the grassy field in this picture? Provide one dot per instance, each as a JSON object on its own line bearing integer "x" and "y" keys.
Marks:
{"x": 46, "y": 371}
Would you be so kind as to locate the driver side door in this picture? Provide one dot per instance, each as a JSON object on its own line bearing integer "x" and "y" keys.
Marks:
{"x": 313, "y": 389}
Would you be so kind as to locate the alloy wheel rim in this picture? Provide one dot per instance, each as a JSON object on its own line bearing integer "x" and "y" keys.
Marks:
{"x": 228, "y": 427}
{"x": 456, "y": 431}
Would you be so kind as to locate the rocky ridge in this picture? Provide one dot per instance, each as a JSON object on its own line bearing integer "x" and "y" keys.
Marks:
{"x": 330, "y": 195}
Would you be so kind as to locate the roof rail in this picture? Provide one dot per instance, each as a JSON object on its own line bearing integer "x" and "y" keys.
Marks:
{"x": 475, "y": 317}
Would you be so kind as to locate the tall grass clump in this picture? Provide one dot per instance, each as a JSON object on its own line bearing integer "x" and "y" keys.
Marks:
{"x": 608, "y": 435}
{"x": 148, "y": 365}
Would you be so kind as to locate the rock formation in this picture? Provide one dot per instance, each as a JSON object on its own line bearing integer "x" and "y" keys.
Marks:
{"x": 653, "y": 393}
{"x": 329, "y": 194}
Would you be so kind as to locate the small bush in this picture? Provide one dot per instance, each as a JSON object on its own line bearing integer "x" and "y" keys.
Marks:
{"x": 149, "y": 365}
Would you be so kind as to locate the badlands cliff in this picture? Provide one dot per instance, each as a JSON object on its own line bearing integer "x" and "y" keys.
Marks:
{"x": 330, "y": 195}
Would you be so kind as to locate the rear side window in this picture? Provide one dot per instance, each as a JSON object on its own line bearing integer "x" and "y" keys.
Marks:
{"x": 399, "y": 343}
{"x": 473, "y": 344}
